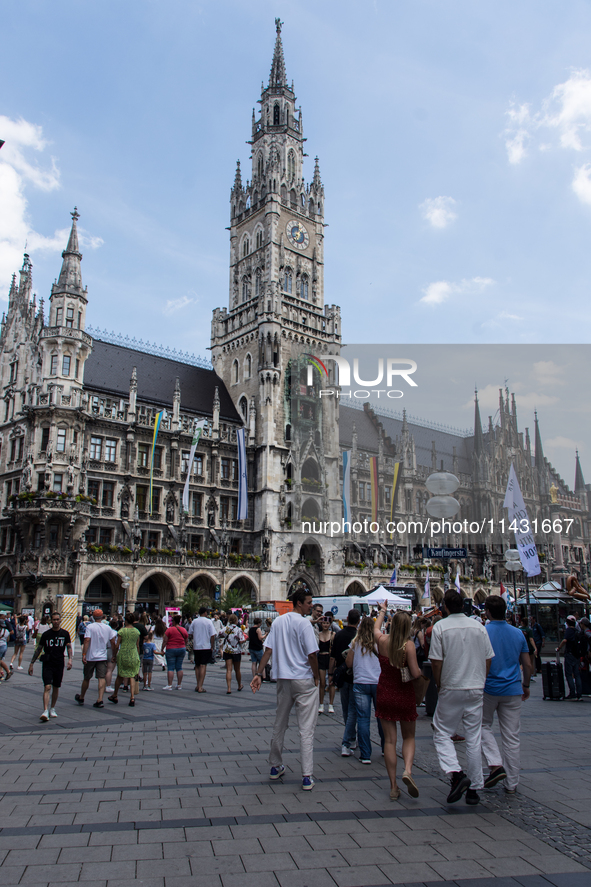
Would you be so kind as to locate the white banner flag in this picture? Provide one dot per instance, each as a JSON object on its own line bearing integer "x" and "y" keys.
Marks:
{"x": 427, "y": 591}
{"x": 519, "y": 523}
{"x": 242, "y": 479}
{"x": 196, "y": 435}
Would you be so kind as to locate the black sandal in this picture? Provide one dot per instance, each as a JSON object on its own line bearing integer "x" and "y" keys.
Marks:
{"x": 113, "y": 699}
{"x": 131, "y": 702}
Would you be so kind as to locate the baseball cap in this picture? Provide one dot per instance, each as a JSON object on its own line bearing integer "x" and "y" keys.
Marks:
{"x": 570, "y": 619}
{"x": 98, "y": 614}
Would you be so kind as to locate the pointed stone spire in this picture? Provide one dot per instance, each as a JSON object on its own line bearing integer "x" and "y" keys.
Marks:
{"x": 478, "y": 438}
{"x": 70, "y": 278}
{"x": 317, "y": 181}
{"x": 538, "y": 452}
{"x": 277, "y": 75}
{"x": 579, "y": 479}
{"x": 216, "y": 411}
{"x": 404, "y": 428}
{"x": 13, "y": 290}
{"x": 26, "y": 281}
{"x": 238, "y": 178}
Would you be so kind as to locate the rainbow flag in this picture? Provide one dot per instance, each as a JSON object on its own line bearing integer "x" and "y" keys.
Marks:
{"x": 157, "y": 421}
{"x": 395, "y": 482}
{"x": 373, "y": 473}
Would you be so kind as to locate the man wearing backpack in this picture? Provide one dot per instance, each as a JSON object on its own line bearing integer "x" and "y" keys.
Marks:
{"x": 575, "y": 642}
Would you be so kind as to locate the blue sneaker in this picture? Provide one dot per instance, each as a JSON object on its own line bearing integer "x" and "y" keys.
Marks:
{"x": 307, "y": 783}
{"x": 277, "y": 772}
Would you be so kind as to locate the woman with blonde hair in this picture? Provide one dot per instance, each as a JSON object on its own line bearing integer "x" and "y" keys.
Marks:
{"x": 395, "y": 697}
{"x": 363, "y": 659}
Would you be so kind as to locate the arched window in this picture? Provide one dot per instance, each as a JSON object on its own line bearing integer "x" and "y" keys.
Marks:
{"x": 259, "y": 238}
{"x": 283, "y": 194}
{"x": 244, "y": 289}
{"x": 257, "y": 284}
{"x": 311, "y": 207}
{"x": 290, "y": 166}
{"x": 235, "y": 372}
{"x": 243, "y": 407}
{"x": 276, "y": 115}
{"x": 287, "y": 283}
{"x": 304, "y": 290}
{"x": 248, "y": 367}
{"x": 245, "y": 247}
{"x": 260, "y": 166}
{"x": 292, "y": 198}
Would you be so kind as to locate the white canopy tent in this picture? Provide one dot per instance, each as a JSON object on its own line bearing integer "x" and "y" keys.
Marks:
{"x": 380, "y": 594}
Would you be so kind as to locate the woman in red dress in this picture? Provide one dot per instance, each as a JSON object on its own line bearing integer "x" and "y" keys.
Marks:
{"x": 395, "y": 697}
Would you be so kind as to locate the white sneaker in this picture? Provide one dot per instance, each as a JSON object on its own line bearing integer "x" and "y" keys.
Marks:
{"x": 353, "y": 745}
{"x": 331, "y": 709}
{"x": 52, "y": 713}
{"x": 44, "y": 716}
{"x": 346, "y": 752}
{"x": 110, "y": 689}
{"x": 179, "y": 687}
{"x": 320, "y": 709}
{"x": 145, "y": 688}
{"x": 19, "y": 668}
{"x": 168, "y": 687}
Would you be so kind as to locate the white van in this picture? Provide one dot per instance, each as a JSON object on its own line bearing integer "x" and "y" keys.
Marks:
{"x": 340, "y": 606}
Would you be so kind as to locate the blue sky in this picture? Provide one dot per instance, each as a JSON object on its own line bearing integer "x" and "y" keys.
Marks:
{"x": 454, "y": 142}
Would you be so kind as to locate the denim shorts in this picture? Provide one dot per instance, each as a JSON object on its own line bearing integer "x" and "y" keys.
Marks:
{"x": 3, "y": 649}
{"x": 174, "y": 658}
{"x": 256, "y": 655}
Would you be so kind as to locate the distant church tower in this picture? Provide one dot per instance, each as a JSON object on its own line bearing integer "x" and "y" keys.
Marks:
{"x": 276, "y": 315}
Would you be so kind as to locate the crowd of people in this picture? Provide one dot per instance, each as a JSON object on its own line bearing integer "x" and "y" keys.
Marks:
{"x": 474, "y": 667}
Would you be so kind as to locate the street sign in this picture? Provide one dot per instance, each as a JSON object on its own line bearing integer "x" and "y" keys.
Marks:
{"x": 447, "y": 553}
{"x": 218, "y": 593}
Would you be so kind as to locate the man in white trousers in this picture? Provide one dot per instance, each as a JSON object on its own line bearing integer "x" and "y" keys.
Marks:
{"x": 460, "y": 655}
{"x": 504, "y": 691}
{"x": 295, "y": 668}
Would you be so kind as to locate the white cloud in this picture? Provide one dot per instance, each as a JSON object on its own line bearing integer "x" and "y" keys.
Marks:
{"x": 527, "y": 401}
{"x": 562, "y": 443}
{"x": 581, "y": 184}
{"x": 173, "y": 305}
{"x": 546, "y": 372}
{"x": 439, "y": 211}
{"x": 565, "y": 112}
{"x": 441, "y": 290}
{"x": 18, "y": 171}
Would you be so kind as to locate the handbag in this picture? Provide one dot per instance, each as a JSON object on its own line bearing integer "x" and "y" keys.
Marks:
{"x": 405, "y": 670}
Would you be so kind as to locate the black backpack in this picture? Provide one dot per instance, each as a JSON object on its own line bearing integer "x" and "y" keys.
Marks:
{"x": 578, "y": 647}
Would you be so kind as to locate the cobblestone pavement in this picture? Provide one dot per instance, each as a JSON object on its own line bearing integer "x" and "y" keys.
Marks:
{"x": 175, "y": 792}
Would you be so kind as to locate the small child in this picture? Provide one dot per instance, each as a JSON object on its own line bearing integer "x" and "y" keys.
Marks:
{"x": 148, "y": 660}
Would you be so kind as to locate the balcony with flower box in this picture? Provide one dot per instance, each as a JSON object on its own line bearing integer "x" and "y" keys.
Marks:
{"x": 48, "y": 501}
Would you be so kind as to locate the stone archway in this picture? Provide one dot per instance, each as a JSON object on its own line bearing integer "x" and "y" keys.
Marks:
{"x": 245, "y": 585}
{"x": 356, "y": 589}
{"x": 303, "y": 581}
{"x": 203, "y": 584}
{"x": 156, "y": 593}
{"x": 103, "y": 592}
{"x": 480, "y": 595}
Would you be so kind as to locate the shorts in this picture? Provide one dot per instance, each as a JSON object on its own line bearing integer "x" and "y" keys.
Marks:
{"x": 52, "y": 673}
{"x": 202, "y": 657}
{"x": 3, "y": 649}
{"x": 256, "y": 655}
{"x": 147, "y": 666}
{"x": 234, "y": 657}
{"x": 174, "y": 658}
{"x": 99, "y": 666}
{"x": 323, "y": 661}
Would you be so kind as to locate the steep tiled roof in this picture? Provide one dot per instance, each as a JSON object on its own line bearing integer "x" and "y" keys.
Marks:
{"x": 109, "y": 369}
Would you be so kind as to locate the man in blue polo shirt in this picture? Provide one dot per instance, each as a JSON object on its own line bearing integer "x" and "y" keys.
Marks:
{"x": 504, "y": 691}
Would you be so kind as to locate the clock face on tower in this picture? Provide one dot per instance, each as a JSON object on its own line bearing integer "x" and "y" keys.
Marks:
{"x": 297, "y": 234}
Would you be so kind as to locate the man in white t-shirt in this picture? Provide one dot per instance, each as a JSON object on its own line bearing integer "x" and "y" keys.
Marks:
{"x": 218, "y": 627}
{"x": 295, "y": 668}
{"x": 204, "y": 634}
{"x": 460, "y": 655}
{"x": 98, "y": 637}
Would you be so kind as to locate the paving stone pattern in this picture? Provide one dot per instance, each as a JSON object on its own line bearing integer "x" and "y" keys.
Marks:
{"x": 175, "y": 791}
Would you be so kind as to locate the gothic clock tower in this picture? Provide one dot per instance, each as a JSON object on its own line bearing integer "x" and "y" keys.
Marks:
{"x": 276, "y": 316}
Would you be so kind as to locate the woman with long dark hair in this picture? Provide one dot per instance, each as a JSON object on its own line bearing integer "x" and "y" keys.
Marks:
{"x": 395, "y": 697}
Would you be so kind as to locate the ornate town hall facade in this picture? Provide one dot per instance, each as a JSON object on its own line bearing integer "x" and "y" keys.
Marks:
{"x": 78, "y": 415}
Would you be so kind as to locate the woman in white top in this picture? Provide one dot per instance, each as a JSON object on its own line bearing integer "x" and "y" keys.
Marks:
{"x": 363, "y": 659}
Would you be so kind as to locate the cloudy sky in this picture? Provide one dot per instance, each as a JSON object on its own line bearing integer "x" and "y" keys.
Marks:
{"x": 454, "y": 142}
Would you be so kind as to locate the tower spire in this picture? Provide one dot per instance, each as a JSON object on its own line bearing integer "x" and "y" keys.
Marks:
{"x": 70, "y": 278}
{"x": 238, "y": 178}
{"x": 579, "y": 479}
{"x": 478, "y": 438}
{"x": 538, "y": 452}
{"x": 277, "y": 76}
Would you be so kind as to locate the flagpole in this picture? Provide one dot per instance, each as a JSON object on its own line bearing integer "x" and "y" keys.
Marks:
{"x": 527, "y": 603}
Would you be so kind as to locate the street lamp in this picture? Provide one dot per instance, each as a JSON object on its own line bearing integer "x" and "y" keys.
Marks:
{"x": 442, "y": 504}
{"x": 125, "y": 583}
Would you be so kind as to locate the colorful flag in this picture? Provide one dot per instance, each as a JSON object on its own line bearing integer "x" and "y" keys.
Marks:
{"x": 197, "y": 431}
{"x": 524, "y": 538}
{"x": 242, "y": 481}
{"x": 373, "y": 474}
{"x": 395, "y": 482}
{"x": 504, "y": 594}
{"x": 346, "y": 486}
{"x": 393, "y": 577}
{"x": 457, "y": 584}
{"x": 427, "y": 591}
{"x": 157, "y": 421}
